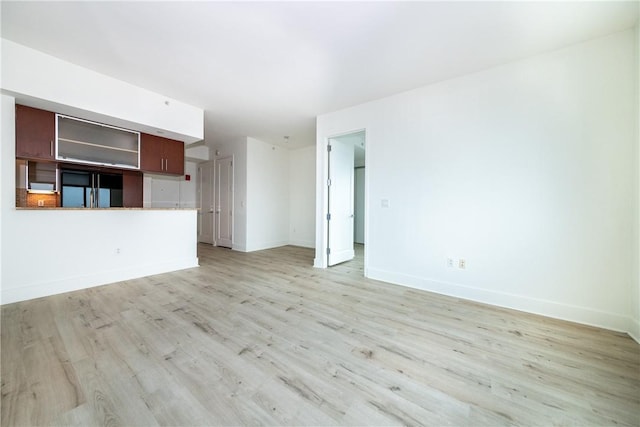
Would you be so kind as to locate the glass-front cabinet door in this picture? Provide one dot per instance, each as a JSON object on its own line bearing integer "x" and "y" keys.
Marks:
{"x": 93, "y": 143}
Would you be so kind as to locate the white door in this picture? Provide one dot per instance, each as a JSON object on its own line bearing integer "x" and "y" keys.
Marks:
{"x": 340, "y": 219}
{"x": 205, "y": 192}
{"x": 224, "y": 202}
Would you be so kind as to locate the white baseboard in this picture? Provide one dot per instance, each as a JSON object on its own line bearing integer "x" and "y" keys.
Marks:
{"x": 584, "y": 315}
{"x": 265, "y": 245}
{"x": 634, "y": 330}
{"x": 303, "y": 243}
{"x": 69, "y": 284}
{"x": 271, "y": 245}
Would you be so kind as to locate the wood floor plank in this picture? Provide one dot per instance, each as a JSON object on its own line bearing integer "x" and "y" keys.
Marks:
{"x": 263, "y": 338}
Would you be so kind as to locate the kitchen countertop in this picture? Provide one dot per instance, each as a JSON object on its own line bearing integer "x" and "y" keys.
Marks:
{"x": 42, "y": 208}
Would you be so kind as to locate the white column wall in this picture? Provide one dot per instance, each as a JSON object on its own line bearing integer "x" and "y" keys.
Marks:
{"x": 635, "y": 299}
{"x": 267, "y": 195}
{"x": 302, "y": 197}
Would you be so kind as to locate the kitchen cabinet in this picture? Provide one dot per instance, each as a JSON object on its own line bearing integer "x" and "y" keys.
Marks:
{"x": 35, "y": 133}
{"x": 132, "y": 184}
{"x": 161, "y": 155}
{"x": 86, "y": 142}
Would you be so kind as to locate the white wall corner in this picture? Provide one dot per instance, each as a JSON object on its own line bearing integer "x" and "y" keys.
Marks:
{"x": 302, "y": 196}
{"x": 302, "y": 243}
{"x": 268, "y": 199}
{"x": 239, "y": 248}
{"x": 634, "y": 329}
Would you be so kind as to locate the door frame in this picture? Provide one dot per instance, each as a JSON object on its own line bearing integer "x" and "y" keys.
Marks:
{"x": 216, "y": 221}
{"x": 322, "y": 198}
{"x": 205, "y": 210}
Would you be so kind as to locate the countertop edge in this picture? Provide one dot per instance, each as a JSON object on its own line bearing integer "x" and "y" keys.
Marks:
{"x": 42, "y": 208}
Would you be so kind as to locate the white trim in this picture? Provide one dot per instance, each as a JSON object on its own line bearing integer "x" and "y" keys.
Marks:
{"x": 44, "y": 289}
{"x": 572, "y": 313}
{"x": 634, "y": 329}
{"x": 216, "y": 195}
{"x": 303, "y": 243}
{"x": 266, "y": 245}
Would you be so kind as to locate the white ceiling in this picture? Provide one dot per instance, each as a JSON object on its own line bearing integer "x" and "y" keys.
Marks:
{"x": 267, "y": 69}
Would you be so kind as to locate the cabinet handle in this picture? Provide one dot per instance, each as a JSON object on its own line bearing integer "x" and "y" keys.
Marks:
{"x": 166, "y": 164}
{"x": 161, "y": 164}
{"x": 51, "y": 148}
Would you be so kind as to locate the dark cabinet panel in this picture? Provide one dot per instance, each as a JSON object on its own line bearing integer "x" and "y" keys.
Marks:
{"x": 161, "y": 155}
{"x": 151, "y": 153}
{"x": 174, "y": 157}
{"x": 132, "y": 184}
{"x": 35, "y": 133}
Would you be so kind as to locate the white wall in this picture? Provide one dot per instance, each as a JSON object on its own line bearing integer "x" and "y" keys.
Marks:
{"x": 267, "y": 195}
{"x": 198, "y": 153}
{"x": 302, "y": 197}
{"x": 524, "y": 170}
{"x": 47, "y": 82}
{"x": 163, "y": 191}
{"x": 635, "y": 299}
{"x": 46, "y": 252}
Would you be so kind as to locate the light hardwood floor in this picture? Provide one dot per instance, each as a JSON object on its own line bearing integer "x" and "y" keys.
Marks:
{"x": 265, "y": 339}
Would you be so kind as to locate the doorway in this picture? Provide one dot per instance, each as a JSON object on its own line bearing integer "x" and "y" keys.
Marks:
{"x": 224, "y": 202}
{"x": 346, "y": 198}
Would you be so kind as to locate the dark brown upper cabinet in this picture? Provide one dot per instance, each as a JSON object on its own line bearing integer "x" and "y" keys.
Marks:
{"x": 35, "y": 133}
{"x": 161, "y": 155}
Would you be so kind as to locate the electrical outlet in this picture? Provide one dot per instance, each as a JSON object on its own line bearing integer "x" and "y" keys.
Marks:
{"x": 450, "y": 262}
{"x": 462, "y": 264}
{"x": 40, "y": 203}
